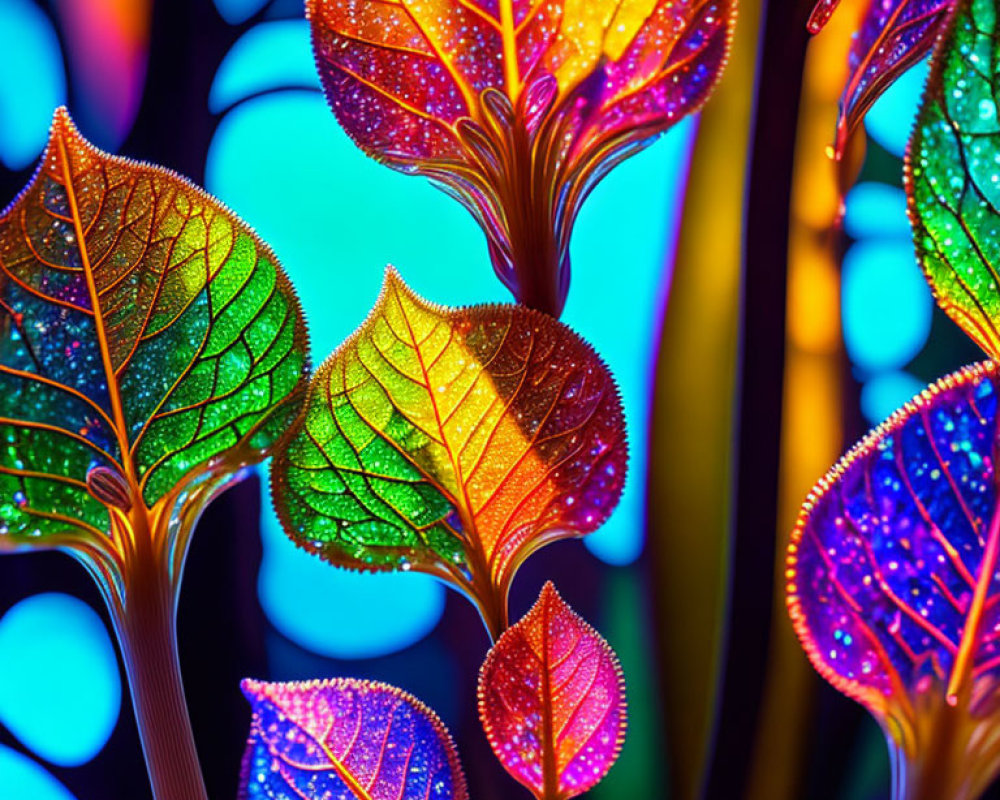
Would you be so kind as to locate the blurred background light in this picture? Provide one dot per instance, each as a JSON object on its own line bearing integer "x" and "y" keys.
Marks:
{"x": 886, "y": 304}
{"x": 882, "y": 394}
{"x": 60, "y": 691}
{"x": 268, "y": 55}
{"x": 337, "y": 613}
{"x": 237, "y": 11}
{"x": 877, "y": 211}
{"x": 23, "y": 779}
{"x": 107, "y": 44}
{"x": 32, "y": 81}
{"x": 890, "y": 119}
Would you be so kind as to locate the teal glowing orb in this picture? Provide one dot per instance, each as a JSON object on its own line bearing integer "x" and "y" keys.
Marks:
{"x": 60, "y": 690}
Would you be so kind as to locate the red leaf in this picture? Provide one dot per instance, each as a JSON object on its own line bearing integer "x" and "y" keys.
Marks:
{"x": 552, "y": 701}
{"x": 518, "y": 108}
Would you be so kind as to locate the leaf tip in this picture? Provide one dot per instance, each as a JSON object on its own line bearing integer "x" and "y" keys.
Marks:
{"x": 550, "y": 594}
{"x": 252, "y": 688}
{"x": 63, "y": 128}
{"x": 393, "y": 285}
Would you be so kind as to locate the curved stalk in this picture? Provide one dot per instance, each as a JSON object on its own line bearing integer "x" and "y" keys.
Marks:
{"x": 760, "y": 387}
{"x": 958, "y": 759}
{"x": 146, "y": 633}
{"x": 141, "y": 595}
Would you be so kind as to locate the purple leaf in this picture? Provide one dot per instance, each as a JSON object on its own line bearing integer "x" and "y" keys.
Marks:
{"x": 894, "y": 35}
{"x": 345, "y": 738}
{"x": 893, "y": 586}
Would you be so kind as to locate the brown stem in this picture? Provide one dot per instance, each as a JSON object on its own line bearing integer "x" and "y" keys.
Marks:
{"x": 535, "y": 254}
{"x": 953, "y": 764}
{"x": 491, "y": 600}
{"x": 146, "y": 631}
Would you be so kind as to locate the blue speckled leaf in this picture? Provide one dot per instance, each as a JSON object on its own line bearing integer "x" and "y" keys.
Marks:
{"x": 346, "y": 739}
{"x": 892, "y": 577}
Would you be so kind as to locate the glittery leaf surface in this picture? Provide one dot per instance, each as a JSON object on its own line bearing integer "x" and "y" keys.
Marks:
{"x": 517, "y": 106}
{"x": 452, "y": 441}
{"x": 346, "y": 739}
{"x": 894, "y": 35}
{"x": 893, "y": 583}
{"x": 953, "y": 175}
{"x": 552, "y": 701}
{"x": 148, "y": 340}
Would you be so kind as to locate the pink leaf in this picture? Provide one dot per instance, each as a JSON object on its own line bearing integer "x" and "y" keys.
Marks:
{"x": 346, "y": 738}
{"x": 552, "y": 701}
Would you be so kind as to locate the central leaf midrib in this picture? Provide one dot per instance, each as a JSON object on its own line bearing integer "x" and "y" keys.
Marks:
{"x": 463, "y": 501}
{"x": 111, "y": 378}
{"x": 962, "y": 666}
{"x": 550, "y": 779}
{"x": 343, "y": 773}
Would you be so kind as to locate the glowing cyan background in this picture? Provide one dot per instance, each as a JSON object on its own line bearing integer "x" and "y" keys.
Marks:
{"x": 882, "y": 338}
{"x": 60, "y": 691}
{"x": 890, "y": 120}
{"x": 32, "y": 81}
{"x": 21, "y": 777}
{"x": 335, "y": 218}
{"x": 236, "y": 11}
{"x": 881, "y": 335}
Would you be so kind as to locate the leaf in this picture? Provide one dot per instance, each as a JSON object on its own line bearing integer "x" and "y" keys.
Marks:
{"x": 346, "y": 738}
{"x": 517, "y": 108}
{"x": 894, "y": 35}
{"x": 951, "y": 176}
{"x": 150, "y": 347}
{"x": 892, "y": 578}
{"x": 453, "y": 442}
{"x": 552, "y": 701}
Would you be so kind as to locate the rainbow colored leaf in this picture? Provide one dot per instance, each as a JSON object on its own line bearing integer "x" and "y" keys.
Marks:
{"x": 893, "y": 583}
{"x": 951, "y": 175}
{"x": 894, "y": 35}
{"x": 346, "y": 738}
{"x": 150, "y": 347}
{"x": 517, "y": 108}
{"x": 552, "y": 701}
{"x": 454, "y": 442}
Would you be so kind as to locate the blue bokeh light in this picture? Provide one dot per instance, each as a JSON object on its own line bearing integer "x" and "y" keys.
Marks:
{"x": 60, "y": 690}
{"x": 32, "y": 81}
{"x": 876, "y": 211}
{"x": 337, "y": 613}
{"x": 237, "y": 11}
{"x": 885, "y": 304}
{"x": 882, "y": 394}
{"x": 269, "y": 54}
{"x": 890, "y": 119}
{"x": 22, "y": 778}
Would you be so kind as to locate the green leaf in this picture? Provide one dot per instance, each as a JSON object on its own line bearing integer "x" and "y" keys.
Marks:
{"x": 953, "y": 175}
{"x": 150, "y": 347}
{"x": 454, "y": 442}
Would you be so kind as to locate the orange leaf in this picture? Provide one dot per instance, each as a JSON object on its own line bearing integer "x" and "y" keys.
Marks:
{"x": 454, "y": 442}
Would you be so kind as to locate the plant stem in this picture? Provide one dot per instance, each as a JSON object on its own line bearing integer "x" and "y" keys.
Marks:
{"x": 146, "y": 632}
{"x": 535, "y": 255}
{"x": 957, "y": 761}
{"x": 491, "y": 601}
